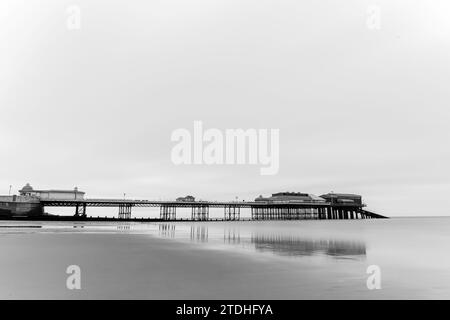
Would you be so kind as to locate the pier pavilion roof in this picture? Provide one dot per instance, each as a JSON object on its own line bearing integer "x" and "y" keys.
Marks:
{"x": 291, "y": 196}
{"x": 27, "y": 188}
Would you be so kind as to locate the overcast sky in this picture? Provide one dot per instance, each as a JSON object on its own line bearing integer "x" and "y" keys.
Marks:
{"x": 359, "y": 110}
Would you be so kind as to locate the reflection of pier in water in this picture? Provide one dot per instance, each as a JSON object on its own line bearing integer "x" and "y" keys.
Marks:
{"x": 167, "y": 230}
{"x": 232, "y": 236}
{"x": 199, "y": 233}
{"x": 283, "y": 245}
{"x": 294, "y": 246}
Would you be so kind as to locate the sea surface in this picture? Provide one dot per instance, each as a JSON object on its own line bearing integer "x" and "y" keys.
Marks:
{"x": 398, "y": 258}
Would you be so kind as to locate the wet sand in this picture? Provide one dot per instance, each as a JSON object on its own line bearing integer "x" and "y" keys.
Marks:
{"x": 116, "y": 266}
{"x": 304, "y": 260}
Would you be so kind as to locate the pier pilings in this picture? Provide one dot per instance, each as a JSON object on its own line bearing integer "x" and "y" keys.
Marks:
{"x": 268, "y": 212}
{"x": 80, "y": 210}
{"x": 168, "y": 212}
{"x": 200, "y": 212}
{"x": 232, "y": 212}
{"x": 125, "y": 211}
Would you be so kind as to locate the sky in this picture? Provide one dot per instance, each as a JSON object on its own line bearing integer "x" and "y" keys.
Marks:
{"x": 360, "y": 107}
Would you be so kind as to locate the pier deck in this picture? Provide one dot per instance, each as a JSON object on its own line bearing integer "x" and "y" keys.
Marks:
{"x": 200, "y": 209}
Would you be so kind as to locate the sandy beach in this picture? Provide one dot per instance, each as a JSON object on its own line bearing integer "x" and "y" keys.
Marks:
{"x": 215, "y": 261}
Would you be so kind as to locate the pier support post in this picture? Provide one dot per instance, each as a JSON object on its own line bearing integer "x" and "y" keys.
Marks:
{"x": 200, "y": 212}
{"x": 258, "y": 213}
{"x": 80, "y": 210}
{"x": 125, "y": 211}
{"x": 232, "y": 212}
{"x": 167, "y": 212}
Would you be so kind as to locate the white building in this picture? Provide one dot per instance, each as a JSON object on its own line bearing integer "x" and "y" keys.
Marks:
{"x": 52, "y": 194}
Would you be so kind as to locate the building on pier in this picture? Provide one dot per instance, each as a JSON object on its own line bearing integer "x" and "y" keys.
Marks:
{"x": 297, "y": 205}
{"x": 343, "y": 199}
{"x": 288, "y": 205}
{"x": 74, "y": 194}
{"x": 290, "y": 197}
{"x": 186, "y": 199}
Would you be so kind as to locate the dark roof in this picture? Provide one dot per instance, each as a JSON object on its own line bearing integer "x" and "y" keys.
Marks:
{"x": 27, "y": 188}
{"x": 288, "y": 196}
{"x": 297, "y": 194}
{"x": 349, "y": 195}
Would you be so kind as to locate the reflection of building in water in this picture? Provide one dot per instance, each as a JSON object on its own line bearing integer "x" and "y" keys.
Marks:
{"x": 167, "y": 230}
{"x": 199, "y": 233}
{"x": 232, "y": 236}
{"x": 293, "y": 246}
{"x": 123, "y": 227}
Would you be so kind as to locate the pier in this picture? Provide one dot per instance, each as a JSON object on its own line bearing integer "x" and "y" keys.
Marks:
{"x": 31, "y": 204}
{"x": 231, "y": 210}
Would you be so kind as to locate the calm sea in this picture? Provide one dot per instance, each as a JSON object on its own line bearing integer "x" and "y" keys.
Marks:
{"x": 228, "y": 260}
